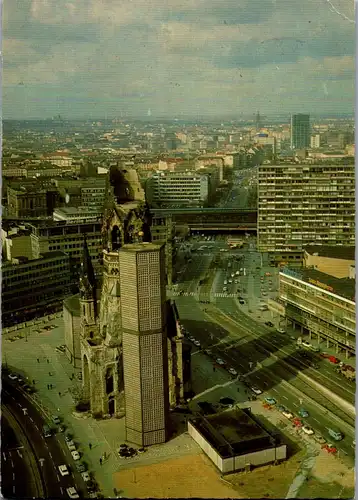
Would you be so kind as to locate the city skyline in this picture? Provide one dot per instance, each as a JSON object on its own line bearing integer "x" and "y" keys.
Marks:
{"x": 187, "y": 59}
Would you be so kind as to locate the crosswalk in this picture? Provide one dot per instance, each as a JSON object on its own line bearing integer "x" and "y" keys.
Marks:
{"x": 192, "y": 294}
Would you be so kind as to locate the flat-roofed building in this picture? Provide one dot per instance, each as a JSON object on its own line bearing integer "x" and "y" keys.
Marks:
{"x": 32, "y": 288}
{"x": 333, "y": 260}
{"x": 178, "y": 189}
{"x": 145, "y": 358}
{"x": 77, "y": 214}
{"x": 300, "y": 205}
{"x": 320, "y": 305}
{"x": 68, "y": 237}
{"x": 236, "y": 440}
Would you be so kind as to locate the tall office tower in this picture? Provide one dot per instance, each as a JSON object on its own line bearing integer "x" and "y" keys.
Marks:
{"x": 300, "y": 131}
{"x": 299, "y": 205}
{"x": 145, "y": 358}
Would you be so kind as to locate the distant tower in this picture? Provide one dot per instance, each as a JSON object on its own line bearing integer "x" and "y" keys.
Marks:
{"x": 300, "y": 131}
{"x": 145, "y": 357}
{"x": 258, "y": 121}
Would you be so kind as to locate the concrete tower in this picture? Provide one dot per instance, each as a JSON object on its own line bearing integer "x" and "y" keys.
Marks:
{"x": 145, "y": 357}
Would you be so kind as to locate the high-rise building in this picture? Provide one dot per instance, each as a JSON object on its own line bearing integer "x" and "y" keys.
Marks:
{"x": 300, "y": 131}
{"x": 143, "y": 311}
{"x": 299, "y": 205}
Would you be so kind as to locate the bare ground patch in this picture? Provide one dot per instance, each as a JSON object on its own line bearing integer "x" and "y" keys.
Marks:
{"x": 193, "y": 476}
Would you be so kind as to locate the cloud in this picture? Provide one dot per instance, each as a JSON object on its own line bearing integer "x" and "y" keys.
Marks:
{"x": 211, "y": 56}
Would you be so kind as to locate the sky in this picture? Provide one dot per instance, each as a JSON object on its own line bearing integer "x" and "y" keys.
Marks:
{"x": 177, "y": 58}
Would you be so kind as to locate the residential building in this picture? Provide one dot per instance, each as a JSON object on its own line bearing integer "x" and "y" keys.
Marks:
{"x": 301, "y": 205}
{"x": 300, "y": 131}
{"x": 177, "y": 189}
{"x": 145, "y": 358}
{"x": 320, "y": 305}
{"x": 32, "y": 288}
{"x": 315, "y": 141}
{"x": 334, "y": 260}
{"x": 16, "y": 243}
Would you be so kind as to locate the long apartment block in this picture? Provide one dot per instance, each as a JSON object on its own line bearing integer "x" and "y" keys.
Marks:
{"x": 300, "y": 205}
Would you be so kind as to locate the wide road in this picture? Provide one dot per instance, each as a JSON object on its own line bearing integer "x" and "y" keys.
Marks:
{"x": 16, "y": 476}
{"x": 241, "y": 271}
{"x": 269, "y": 376}
{"x": 48, "y": 452}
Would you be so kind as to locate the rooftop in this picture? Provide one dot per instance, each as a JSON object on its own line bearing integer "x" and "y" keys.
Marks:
{"x": 233, "y": 432}
{"x": 332, "y": 251}
{"x": 140, "y": 247}
{"x": 344, "y": 287}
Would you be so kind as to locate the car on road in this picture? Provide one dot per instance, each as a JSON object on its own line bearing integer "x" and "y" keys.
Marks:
{"x": 192, "y": 339}
{"x": 63, "y": 470}
{"x": 319, "y": 439}
{"x": 268, "y": 323}
{"x": 12, "y": 376}
{"x": 72, "y": 493}
{"x": 303, "y": 413}
{"x": 241, "y": 301}
{"x": 61, "y": 428}
{"x": 287, "y": 414}
{"x": 75, "y": 455}
{"x": 230, "y": 280}
{"x": 68, "y": 437}
{"x": 197, "y": 343}
{"x": 281, "y": 408}
{"x": 56, "y": 419}
{"x": 220, "y": 361}
{"x": 256, "y": 390}
{"x": 85, "y": 476}
{"x": 270, "y": 401}
{"x": 281, "y": 330}
{"x": 237, "y": 282}
{"x": 307, "y": 430}
{"x": 232, "y": 371}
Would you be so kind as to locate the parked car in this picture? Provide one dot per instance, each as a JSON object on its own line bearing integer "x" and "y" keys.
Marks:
{"x": 268, "y": 323}
{"x": 80, "y": 467}
{"x": 270, "y": 401}
{"x": 307, "y": 430}
{"x": 256, "y": 390}
{"x": 319, "y": 439}
{"x": 197, "y": 343}
{"x": 297, "y": 422}
{"x": 71, "y": 445}
{"x": 75, "y": 455}
{"x": 287, "y": 414}
{"x": 220, "y": 361}
{"x": 281, "y": 330}
{"x": 232, "y": 371}
{"x": 85, "y": 476}
{"x": 56, "y": 419}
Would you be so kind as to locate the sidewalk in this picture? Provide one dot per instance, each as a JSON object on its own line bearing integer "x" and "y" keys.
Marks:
{"x": 105, "y": 436}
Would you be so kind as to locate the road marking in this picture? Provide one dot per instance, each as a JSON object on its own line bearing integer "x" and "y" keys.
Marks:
{"x": 36, "y": 426}
{"x": 13, "y": 476}
{"x": 31, "y": 419}
{"x": 13, "y": 488}
{"x": 264, "y": 382}
{"x": 294, "y": 404}
{"x": 61, "y": 490}
{"x": 58, "y": 479}
{"x": 18, "y": 404}
{"x": 285, "y": 397}
{"x": 273, "y": 389}
{"x": 315, "y": 420}
{"x": 3, "y": 454}
{"x": 19, "y": 453}
{"x": 50, "y": 454}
